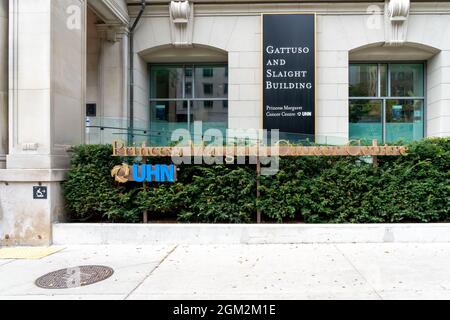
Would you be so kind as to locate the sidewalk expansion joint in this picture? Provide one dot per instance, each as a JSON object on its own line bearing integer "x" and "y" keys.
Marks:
{"x": 151, "y": 271}
{"x": 356, "y": 269}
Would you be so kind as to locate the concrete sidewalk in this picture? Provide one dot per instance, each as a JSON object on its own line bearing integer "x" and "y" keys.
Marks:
{"x": 283, "y": 271}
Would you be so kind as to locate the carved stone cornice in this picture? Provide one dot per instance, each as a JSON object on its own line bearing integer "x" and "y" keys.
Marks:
{"x": 181, "y": 23}
{"x": 111, "y": 32}
{"x": 396, "y": 20}
{"x": 111, "y": 11}
{"x": 180, "y": 12}
{"x": 398, "y": 10}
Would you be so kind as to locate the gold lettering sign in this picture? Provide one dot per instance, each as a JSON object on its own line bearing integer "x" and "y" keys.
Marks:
{"x": 120, "y": 150}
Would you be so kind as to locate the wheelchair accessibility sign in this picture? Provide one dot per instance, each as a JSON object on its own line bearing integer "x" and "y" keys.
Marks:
{"x": 39, "y": 192}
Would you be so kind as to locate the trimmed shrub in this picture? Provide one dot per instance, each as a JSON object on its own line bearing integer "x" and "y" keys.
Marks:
{"x": 161, "y": 199}
{"x": 89, "y": 190}
{"x": 220, "y": 193}
{"x": 411, "y": 188}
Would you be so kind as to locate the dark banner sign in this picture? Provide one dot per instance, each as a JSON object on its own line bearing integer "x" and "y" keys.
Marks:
{"x": 289, "y": 72}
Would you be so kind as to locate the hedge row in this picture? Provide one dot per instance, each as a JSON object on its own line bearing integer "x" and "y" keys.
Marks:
{"x": 411, "y": 188}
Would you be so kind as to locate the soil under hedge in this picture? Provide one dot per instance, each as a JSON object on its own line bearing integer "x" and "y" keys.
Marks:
{"x": 411, "y": 188}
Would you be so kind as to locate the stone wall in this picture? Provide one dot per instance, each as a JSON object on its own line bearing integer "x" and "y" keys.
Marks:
{"x": 46, "y": 110}
{"x": 3, "y": 82}
{"x": 340, "y": 29}
{"x": 92, "y": 58}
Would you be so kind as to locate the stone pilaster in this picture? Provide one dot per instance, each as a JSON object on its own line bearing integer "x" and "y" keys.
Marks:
{"x": 3, "y": 83}
{"x": 46, "y": 113}
{"x": 113, "y": 74}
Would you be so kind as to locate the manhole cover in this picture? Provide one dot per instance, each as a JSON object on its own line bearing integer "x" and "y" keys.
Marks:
{"x": 74, "y": 277}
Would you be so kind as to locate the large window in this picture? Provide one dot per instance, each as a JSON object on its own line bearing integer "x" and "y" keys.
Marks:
{"x": 182, "y": 94}
{"x": 386, "y": 101}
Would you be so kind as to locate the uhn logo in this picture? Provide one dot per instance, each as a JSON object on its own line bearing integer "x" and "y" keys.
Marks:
{"x": 153, "y": 173}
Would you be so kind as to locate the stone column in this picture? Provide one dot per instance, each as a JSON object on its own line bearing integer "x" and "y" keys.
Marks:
{"x": 438, "y": 94}
{"x": 113, "y": 66}
{"x": 3, "y": 82}
{"x": 46, "y": 113}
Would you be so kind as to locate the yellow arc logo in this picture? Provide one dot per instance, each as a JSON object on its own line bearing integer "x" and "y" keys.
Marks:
{"x": 121, "y": 173}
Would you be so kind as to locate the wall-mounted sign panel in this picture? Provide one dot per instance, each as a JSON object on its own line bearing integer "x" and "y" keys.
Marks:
{"x": 289, "y": 60}
{"x": 39, "y": 193}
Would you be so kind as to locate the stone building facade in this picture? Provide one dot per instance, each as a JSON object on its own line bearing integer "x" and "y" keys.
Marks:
{"x": 76, "y": 71}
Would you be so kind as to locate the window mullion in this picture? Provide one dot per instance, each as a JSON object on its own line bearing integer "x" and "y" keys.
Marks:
{"x": 189, "y": 114}
{"x": 193, "y": 82}
{"x": 383, "y": 115}
{"x": 192, "y": 96}
{"x": 378, "y": 80}
{"x": 389, "y": 80}
{"x": 183, "y": 83}
{"x": 389, "y": 91}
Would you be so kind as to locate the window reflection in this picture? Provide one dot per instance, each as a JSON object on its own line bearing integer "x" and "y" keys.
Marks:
{"x": 374, "y": 89}
{"x": 168, "y": 82}
{"x": 365, "y": 118}
{"x": 384, "y": 80}
{"x": 208, "y": 72}
{"x": 211, "y": 113}
{"x": 207, "y": 89}
{"x": 182, "y": 94}
{"x": 210, "y": 86}
{"x": 407, "y": 80}
{"x": 404, "y": 120}
{"x": 363, "y": 80}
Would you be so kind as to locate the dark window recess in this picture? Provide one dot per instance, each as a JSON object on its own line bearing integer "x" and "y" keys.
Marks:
{"x": 188, "y": 89}
{"x": 207, "y": 88}
{"x": 208, "y": 72}
{"x": 225, "y": 103}
{"x": 208, "y": 104}
{"x": 91, "y": 110}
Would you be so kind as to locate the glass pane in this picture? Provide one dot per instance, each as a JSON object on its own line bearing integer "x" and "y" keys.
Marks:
{"x": 165, "y": 117}
{"x": 208, "y": 72}
{"x": 207, "y": 85}
{"x": 404, "y": 120}
{"x": 365, "y": 120}
{"x": 188, "y": 72}
{"x": 363, "y": 80}
{"x": 208, "y": 104}
{"x": 188, "y": 86}
{"x": 212, "y": 114}
{"x": 166, "y": 82}
{"x": 407, "y": 80}
{"x": 384, "y": 80}
{"x": 207, "y": 89}
{"x": 210, "y": 82}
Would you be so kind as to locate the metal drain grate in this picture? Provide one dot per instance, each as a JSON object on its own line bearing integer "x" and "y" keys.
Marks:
{"x": 74, "y": 277}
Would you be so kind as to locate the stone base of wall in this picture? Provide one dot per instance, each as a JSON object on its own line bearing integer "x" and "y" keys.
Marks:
{"x": 23, "y": 219}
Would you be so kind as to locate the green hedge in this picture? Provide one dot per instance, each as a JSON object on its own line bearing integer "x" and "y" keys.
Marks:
{"x": 411, "y": 188}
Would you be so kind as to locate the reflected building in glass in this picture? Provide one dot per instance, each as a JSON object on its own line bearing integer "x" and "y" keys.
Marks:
{"x": 377, "y": 77}
{"x": 183, "y": 94}
{"x": 386, "y": 101}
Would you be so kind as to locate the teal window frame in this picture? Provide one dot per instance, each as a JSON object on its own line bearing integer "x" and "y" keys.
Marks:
{"x": 196, "y": 97}
{"x": 386, "y": 96}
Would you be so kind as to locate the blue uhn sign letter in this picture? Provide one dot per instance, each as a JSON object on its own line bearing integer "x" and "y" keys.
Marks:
{"x": 153, "y": 173}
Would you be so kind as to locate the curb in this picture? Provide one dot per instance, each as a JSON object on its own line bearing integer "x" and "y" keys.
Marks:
{"x": 148, "y": 234}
